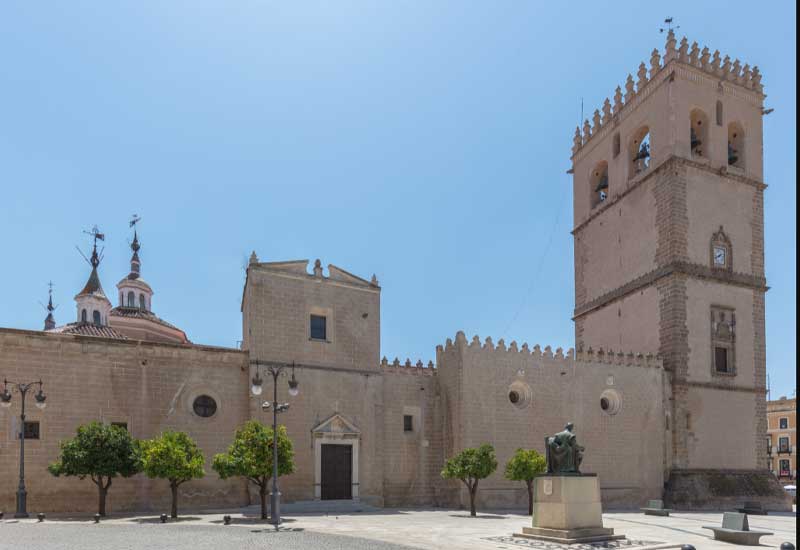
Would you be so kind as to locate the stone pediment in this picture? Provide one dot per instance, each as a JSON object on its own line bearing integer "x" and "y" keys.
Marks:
{"x": 338, "y": 274}
{"x": 336, "y": 425}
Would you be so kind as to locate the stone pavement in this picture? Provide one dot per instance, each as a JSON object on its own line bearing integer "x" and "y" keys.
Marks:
{"x": 425, "y": 529}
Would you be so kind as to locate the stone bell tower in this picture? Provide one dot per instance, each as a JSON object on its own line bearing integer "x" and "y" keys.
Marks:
{"x": 669, "y": 248}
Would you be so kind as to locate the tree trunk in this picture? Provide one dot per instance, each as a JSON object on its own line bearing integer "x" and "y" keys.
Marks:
{"x": 103, "y": 490}
{"x": 263, "y": 493}
{"x": 174, "y": 486}
{"x": 473, "y": 490}
{"x": 530, "y": 497}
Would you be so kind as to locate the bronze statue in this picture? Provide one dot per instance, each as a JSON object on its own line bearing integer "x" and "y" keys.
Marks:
{"x": 563, "y": 454}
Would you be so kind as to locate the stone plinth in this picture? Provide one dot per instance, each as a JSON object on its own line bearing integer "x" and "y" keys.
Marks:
{"x": 567, "y": 508}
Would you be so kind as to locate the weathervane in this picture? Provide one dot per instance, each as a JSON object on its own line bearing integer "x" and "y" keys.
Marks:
{"x": 668, "y": 22}
{"x": 96, "y": 258}
{"x": 49, "y": 307}
{"x": 134, "y": 220}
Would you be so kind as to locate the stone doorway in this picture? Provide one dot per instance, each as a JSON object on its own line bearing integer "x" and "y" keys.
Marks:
{"x": 336, "y": 445}
{"x": 337, "y": 472}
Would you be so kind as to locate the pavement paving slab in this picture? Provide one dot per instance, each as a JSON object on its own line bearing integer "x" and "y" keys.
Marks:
{"x": 389, "y": 529}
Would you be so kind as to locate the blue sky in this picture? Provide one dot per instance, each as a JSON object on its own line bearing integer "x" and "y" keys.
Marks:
{"x": 426, "y": 142}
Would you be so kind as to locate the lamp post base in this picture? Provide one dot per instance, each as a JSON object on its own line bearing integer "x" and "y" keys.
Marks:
{"x": 22, "y": 504}
{"x": 275, "y": 508}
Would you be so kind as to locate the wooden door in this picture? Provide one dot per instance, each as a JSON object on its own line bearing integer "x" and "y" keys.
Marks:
{"x": 337, "y": 472}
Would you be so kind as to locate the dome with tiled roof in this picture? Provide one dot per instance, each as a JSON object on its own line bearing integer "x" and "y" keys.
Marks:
{"x": 134, "y": 315}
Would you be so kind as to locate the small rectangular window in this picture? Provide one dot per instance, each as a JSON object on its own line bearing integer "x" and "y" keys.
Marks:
{"x": 123, "y": 425}
{"x": 318, "y": 328}
{"x": 784, "y": 468}
{"x": 721, "y": 359}
{"x": 783, "y": 444}
{"x": 784, "y": 423}
{"x": 617, "y": 147}
{"x": 408, "y": 423}
{"x": 31, "y": 429}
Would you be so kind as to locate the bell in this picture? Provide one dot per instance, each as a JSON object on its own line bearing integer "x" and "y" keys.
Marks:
{"x": 732, "y": 156}
{"x": 644, "y": 152}
{"x": 695, "y": 142}
{"x": 602, "y": 184}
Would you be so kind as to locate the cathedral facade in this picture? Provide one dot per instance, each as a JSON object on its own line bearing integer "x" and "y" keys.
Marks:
{"x": 665, "y": 384}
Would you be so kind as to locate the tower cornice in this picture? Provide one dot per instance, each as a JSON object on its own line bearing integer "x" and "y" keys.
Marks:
{"x": 689, "y": 269}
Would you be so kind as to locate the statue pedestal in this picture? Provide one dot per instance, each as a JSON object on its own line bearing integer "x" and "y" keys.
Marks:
{"x": 567, "y": 508}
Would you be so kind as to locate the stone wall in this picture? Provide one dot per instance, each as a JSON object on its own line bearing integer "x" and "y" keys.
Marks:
{"x": 280, "y": 297}
{"x": 625, "y": 448}
{"x": 149, "y": 386}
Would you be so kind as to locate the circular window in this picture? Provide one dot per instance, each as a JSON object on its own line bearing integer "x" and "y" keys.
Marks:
{"x": 519, "y": 394}
{"x": 204, "y": 405}
{"x": 610, "y": 402}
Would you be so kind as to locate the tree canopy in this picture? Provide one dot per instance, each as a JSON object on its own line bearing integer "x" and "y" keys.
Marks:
{"x": 470, "y": 466}
{"x": 250, "y": 456}
{"x": 101, "y": 452}
{"x": 525, "y": 465}
{"x": 173, "y": 456}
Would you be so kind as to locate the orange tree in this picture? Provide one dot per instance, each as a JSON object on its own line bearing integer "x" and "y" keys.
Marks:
{"x": 101, "y": 452}
{"x": 470, "y": 466}
{"x": 525, "y": 465}
{"x": 250, "y": 457}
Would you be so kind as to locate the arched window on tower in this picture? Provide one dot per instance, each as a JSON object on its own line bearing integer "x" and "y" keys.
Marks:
{"x": 735, "y": 145}
{"x": 598, "y": 183}
{"x": 83, "y": 316}
{"x": 142, "y": 304}
{"x": 131, "y": 299}
{"x": 639, "y": 151}
{"x": 96, "y": 317}
{"x": 698, "y": 133}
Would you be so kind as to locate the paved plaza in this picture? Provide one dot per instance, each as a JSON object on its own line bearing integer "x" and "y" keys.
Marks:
{"x": 385, "y": 530}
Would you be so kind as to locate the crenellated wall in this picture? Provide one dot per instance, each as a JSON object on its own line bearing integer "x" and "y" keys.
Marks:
{"x": 625, "y": 443}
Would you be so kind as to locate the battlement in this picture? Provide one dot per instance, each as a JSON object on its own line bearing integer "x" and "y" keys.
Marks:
{"x": 418, "y": 368}
{"x": 537, "y": 352}
{"x": 712, "y": 64}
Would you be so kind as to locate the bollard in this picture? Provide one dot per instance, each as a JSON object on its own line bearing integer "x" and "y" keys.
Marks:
{"x": 97, "y": 518}
{"x": 40, "y": 516}
{"x": 163, "y": 518}
{"x": 787, "y": 546}
{"x": 1, "y": 515}
{"x": 226, "y": 520}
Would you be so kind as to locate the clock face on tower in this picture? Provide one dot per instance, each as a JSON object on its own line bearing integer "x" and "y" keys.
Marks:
{"x": 719, "y": 256}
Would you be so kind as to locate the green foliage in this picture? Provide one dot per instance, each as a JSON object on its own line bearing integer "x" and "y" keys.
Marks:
{"x": 173, "y": 456}
{"x": 471, "y": 465}
{"x": 525, "y": 465}
{"x": 250, "y": 454}
{"x": 99, "y": 451}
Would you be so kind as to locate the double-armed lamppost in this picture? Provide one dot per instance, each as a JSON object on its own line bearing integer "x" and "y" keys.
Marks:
{"x": 275, "y": 369}
{"x": 5, "y": 402}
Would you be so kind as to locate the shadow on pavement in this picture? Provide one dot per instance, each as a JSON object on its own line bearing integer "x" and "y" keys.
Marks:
{"x": 479, "y": 516}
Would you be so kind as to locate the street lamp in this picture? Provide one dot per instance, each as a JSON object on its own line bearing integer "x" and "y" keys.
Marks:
{"x": 275, "y": 369}
{"x": 5, "y": 402}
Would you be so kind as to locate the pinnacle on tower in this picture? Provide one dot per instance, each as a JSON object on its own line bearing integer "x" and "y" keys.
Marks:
{"x": 50, "y": 321}
{"x": 93, "y": 285}
{"x": 135, "y": 262}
